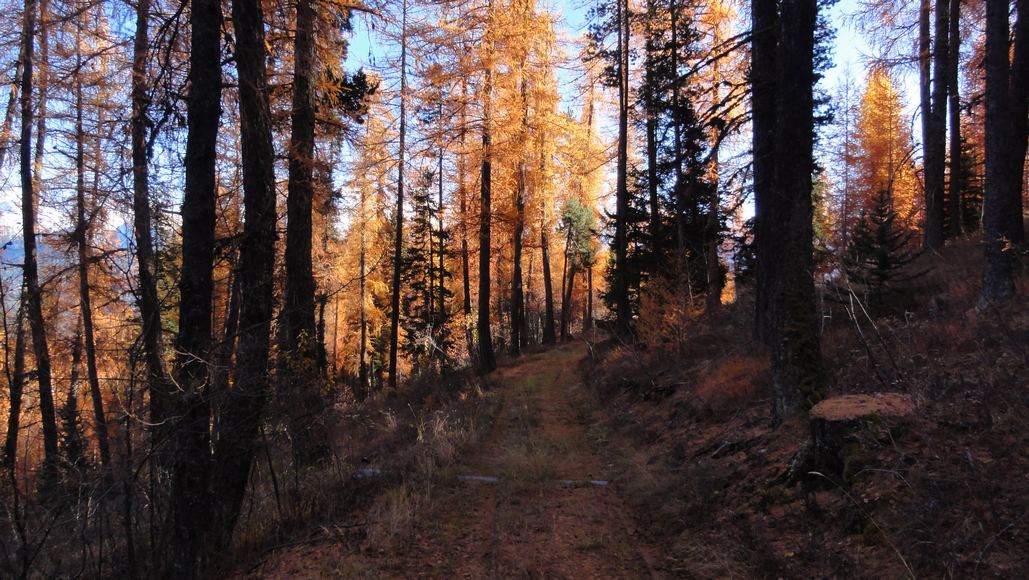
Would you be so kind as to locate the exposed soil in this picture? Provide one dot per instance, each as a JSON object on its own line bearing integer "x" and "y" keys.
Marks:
{"x": 532, "y": 522}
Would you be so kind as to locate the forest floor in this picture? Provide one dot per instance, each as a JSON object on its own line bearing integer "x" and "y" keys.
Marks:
{"x": 549, "y": 512}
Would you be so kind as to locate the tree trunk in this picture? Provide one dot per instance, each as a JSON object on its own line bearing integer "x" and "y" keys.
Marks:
{"x": 796, "y": 352}
{"x": 566, "y": 305}
{"x": 398, "y": 243}
{"x": 998, "y": 283}
{"x": 158, "y": 383}
{"x": 33, "y": 293}
{"x": 1019, "y": 103}
{"x": 764, "y": 63}
{"x": 190, "y": 463}
{"x": 244, "y": 403}
{"x": 549, "y": 336}
{"x": 518, "y": 329}
{"x": 466, "y": 283}
{"x": 934, "y": 99}
{"x": 954, "y": 203}
{"x": 650, "y": 109}
{"x": 298, "y": 353}
{"x": 12, "y": 100}
{"x": 621, "y": 280}
{"x": 588, "y": 323}
{"x": 362, "y": 369}
{"x": 487, "y": 359}
{"x": 17, "y": 385}
{"x": 85, "y": 300}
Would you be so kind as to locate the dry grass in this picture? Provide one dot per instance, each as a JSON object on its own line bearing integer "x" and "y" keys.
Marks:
{"x": 944, "y": 492}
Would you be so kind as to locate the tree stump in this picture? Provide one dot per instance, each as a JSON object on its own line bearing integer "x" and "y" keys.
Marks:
{"x": 840, "y": 430}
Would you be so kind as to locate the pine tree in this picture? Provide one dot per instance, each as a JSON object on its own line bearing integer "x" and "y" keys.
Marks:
{"x": 878, "y": 254}
{"x": 427, "y": 340}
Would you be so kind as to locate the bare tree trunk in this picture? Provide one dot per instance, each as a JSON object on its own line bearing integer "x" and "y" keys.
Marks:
{"x": 244, "y": 403}
{"x": 796, "y": 350}
{"x": 190, "y": 462}
{"x": 621, "y": 281}
{"x": 298, "y": 353}
{"x": 12, "y": 100}
{"x": 158, "y": 382}
{"x": 1019, "y": 102}
{"x": 398, "y": 244}
{"x": 17, "y": 384}
{"x": 463, "y": 201}
{"x": 518, "y": 329}
{"x": 33, "y": 293}
{"x": 362, "y": 370}
{"x": 566, "y": 304}
{"x": 85, "y": 300}
{"x": 764, "y": 63}
{"x": 487, "y": 359}
{"x": 998, "y": 282}
{"x": 549, "y": 336}
{"x": 933, "y": 78}
{"x": 954, "y": 203}
{"x": 650, "y": 109}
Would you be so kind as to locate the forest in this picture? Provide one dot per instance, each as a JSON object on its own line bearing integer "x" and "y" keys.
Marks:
{"x": 514, "y": 288}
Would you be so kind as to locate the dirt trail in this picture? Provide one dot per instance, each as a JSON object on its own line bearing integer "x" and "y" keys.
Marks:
{"x": 528, "y": 524}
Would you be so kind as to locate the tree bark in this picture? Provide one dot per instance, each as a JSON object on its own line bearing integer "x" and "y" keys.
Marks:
{"x": 1019, "y": 102}
{"x": 33, "y": 293}
{"x": 549, "y": 336}
{"x": 518, "y": 329}
{"x": 158, "y": 383}
{"x": 298, "y": 353}
{"x": 796, "y": 351}
{"x": 190, "y": 462}
{"x": 85, "y": 300}
{"x": 650, "y": 109}
{"x": 998, "y": 282}
{"x": 463, "y": 200}
{"x": 954, "y": 204}
{"x": 764, "y": 63}
{"x": 933, "y": 79}
{"x": 398, "y": 243}
{"x": 621, "y": 281}
{"x": 244, "y": 403}
{"x": 566, "y": 304}
{"x": 12, "y": 102}
{"x": 17, "y": 386}
{"x": 487, "y": 359}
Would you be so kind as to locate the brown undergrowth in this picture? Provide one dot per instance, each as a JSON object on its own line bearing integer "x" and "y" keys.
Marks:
{"x": 942, "y": 494}
{"x": 386, "y": 455}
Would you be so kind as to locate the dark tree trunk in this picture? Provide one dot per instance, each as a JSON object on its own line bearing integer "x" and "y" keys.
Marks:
{"x": 190, "y": 462}
{"x": 764, "y": 63}
{"x": 33, "y": 293}
{"x": 998, "y": 282}
{"x": 85, "y": 299}
{"x": 299, "y": 351}
{"x": 933, "y": 77}
{"x": 463, "y": 200}
{"x": 1019, "y": 103}
{"x": 487, "y": 359}
{"x": 566, "y": 304}
{"x": 161, "y": 389}
{"x": 797, "y": 359}
{"x": 588, "y": 323}
{"x": 12, "y": 102}
{"x": 17, "y": 385}
{"x": 621, "y": 280}
{"x": 954, "y": 204}
{"x": 244, "y": 403}
{"x": 650, "y": 109}
{"x": 398, "y": 243}
{"x": 549, "y": 336}
{"x": 518, "y": 330}
{"x": 362, "y": 369}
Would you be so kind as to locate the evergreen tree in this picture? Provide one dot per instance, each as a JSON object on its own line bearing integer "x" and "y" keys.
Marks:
{"x": 427, "y": 340}
{"x": 878, "y": 253}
